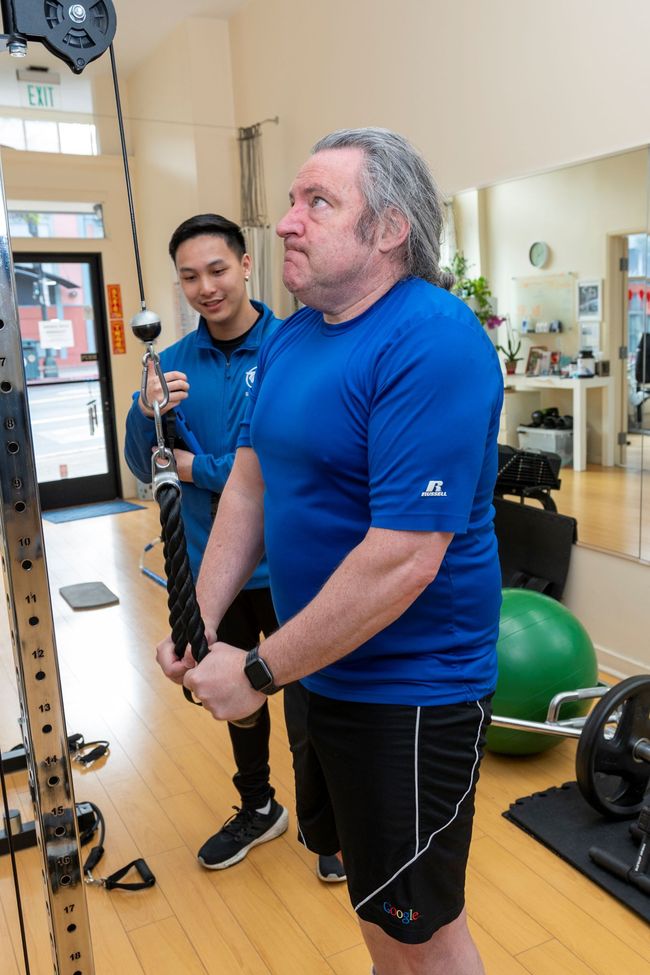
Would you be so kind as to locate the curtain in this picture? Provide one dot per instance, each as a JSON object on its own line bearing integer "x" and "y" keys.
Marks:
{"x": 259, "y": 244}
{"x": 448, "y": 244}
{"x": 254, "y": 218}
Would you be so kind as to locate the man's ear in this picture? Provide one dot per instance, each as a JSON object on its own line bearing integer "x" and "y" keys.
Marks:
{"x": 393, "y": 230}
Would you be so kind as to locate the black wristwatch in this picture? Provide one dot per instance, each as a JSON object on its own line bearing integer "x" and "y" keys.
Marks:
{"x": 259, "y": 673}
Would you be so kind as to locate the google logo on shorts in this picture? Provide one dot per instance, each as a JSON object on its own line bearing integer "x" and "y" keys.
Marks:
{"x": 404, "y": 916}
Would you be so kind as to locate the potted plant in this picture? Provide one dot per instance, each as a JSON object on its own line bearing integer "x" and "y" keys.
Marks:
{"x": 475, "y": 292}
{"x": 510, "y": 350}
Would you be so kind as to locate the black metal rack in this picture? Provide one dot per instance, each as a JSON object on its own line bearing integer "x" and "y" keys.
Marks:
{"x": 528, "y": 474}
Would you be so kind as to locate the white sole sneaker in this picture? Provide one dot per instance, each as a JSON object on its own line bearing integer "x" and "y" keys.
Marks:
{"x": 279, "y": 827}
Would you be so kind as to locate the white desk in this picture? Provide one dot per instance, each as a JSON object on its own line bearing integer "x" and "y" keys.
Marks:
{"x": 580, "y": 388}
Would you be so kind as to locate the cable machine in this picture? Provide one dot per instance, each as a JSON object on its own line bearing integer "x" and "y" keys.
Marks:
{"x": 77, "y": 33}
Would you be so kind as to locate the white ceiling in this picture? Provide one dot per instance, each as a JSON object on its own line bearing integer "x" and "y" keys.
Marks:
{"x": 141, "y": 24}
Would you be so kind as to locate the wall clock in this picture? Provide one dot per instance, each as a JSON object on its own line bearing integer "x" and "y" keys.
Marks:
{"x": 538, "y": 253}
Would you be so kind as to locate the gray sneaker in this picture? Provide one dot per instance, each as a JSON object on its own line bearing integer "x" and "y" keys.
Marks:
{"x": 330, "y": 870}
{"x": 246, "y": 829}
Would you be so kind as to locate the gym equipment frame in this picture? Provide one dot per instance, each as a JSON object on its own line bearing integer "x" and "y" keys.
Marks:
{"x": 77, "y": 34}
{"x": 42, "y": 719}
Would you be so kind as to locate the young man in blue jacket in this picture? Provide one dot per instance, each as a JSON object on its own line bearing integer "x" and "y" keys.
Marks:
{"x": 209, "y": 374}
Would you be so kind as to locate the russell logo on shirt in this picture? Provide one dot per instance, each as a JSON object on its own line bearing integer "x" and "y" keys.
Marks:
{"x": 434, "y": 490}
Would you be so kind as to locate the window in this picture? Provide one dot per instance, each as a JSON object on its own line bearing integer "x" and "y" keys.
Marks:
{"x": 36, "y": 218}
{"x": 78, "y": 138}
{"x": 41, "y": 136}
{"x": 38, "y": 135}
{"x": 12, "y": 133}
{"x": 638, "y": 255}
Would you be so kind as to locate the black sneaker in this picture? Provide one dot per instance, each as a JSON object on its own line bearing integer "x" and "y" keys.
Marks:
{"x": 330, "y": 870}
{"x": 246, "y": 829}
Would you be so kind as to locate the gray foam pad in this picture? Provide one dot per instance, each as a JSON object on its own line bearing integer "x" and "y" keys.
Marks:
{"x": 88, "y": 595}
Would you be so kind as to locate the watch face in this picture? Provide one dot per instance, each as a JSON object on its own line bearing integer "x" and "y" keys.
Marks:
{"x": 538, "y": 253}
{"x": 258, "y": 674}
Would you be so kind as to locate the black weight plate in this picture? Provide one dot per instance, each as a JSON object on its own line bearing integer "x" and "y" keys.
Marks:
{"x": 610, "y": 778}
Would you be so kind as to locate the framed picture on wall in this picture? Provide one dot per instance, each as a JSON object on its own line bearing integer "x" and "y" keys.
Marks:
{"x": 590, "y": 300}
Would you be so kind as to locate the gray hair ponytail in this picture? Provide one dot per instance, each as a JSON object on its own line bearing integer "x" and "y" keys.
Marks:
{"x": 396, "y": 176}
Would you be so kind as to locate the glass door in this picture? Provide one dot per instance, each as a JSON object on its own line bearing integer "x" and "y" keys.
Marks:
{"x": 67, "y": 371}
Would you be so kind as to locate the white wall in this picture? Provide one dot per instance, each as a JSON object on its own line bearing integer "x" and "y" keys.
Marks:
{"x": 486, "y": 90}
{"x": 184, "y": 141}
{"x": 609, "y": 594}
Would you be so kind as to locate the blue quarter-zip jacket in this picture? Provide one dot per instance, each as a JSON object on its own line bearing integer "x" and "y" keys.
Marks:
{"x": 214, "y": 410}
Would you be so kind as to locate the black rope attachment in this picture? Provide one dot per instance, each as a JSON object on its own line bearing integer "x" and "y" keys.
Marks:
{"x": 184, "y": 615}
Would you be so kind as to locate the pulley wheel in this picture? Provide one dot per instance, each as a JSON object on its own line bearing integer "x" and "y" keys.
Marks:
{"x": 610, "y": 776}
{"x": 76, "y": 32}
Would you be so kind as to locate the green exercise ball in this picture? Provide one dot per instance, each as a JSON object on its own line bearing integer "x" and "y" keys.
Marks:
{"x": 542, "y": 650}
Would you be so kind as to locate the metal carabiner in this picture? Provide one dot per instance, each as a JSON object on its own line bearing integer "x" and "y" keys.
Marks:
{"x": 163, "y": 466}
{"x": 92, "y": 881}
{"x": 152, "y": 355}
{"x": 157, "y": 419}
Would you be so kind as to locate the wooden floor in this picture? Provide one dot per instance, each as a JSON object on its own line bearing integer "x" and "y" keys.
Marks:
{"x": 611, "y": 504}
{"x": 166, "y": 786}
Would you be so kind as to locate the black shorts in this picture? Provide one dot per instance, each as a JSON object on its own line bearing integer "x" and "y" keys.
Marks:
{"x": 392, "y": 787}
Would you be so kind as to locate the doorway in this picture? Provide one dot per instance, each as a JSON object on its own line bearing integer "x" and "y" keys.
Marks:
{"x": 67, "y": 371}
{"x": 638, "y": 358}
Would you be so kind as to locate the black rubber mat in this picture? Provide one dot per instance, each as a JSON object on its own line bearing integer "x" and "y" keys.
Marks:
{"x": 565, "y": 823}
{"x": 88, "y": 595}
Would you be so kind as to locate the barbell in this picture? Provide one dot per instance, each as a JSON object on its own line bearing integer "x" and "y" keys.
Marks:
{"x": 613, "y": 754}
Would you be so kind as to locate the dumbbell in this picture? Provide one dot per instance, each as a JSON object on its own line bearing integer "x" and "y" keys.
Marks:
{"x": 550, "y": 418}
{"x": 542, "y": 418}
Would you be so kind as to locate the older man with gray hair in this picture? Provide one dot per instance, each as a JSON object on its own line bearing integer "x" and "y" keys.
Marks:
{"x": 366, "y": 468}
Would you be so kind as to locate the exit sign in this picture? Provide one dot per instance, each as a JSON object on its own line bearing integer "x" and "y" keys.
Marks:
{"x": 39, "y": 96}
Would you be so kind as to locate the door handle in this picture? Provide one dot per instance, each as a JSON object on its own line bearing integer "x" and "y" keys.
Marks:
{"x": 92, "y": 416}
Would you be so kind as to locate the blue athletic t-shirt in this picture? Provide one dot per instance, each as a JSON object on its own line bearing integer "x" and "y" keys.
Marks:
{"x": 389, "y": 420}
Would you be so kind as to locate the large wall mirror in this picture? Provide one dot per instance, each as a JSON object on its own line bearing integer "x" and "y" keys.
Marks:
{"x": 571, "y": 246}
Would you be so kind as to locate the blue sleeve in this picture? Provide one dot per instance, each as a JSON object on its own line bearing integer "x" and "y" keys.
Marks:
{"x": 210, "y": 472}
{"x": 436, "y": 390}
{"x": 139, "y": 441}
